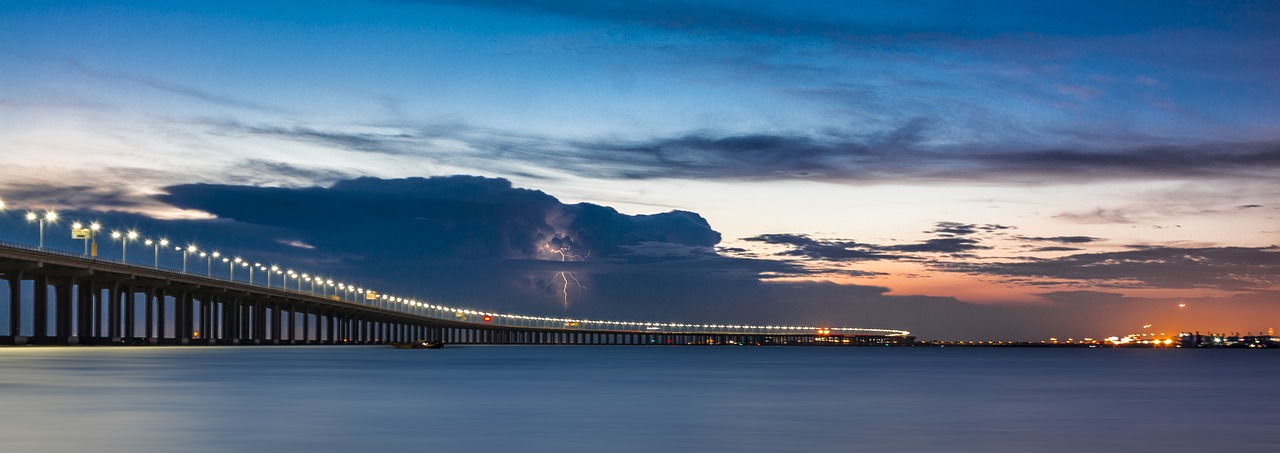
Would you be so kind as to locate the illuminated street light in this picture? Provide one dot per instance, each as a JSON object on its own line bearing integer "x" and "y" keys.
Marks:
{"x": 50, "y": 217}
{"x": 209, "y": 264}
{"x": 232, "y": 273}
{"x": 190, "y": 249}
{"x": 124, "y": 243}
{"x": 273, "y": 269}
{"x": 93, "y": 238}
{"x": 156, "y": 245}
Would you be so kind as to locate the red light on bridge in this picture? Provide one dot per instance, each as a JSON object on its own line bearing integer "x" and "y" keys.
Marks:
{"x": 488, "y": 318}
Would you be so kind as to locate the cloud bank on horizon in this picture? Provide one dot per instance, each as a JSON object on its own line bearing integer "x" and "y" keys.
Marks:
{"x": 969, "y": 168}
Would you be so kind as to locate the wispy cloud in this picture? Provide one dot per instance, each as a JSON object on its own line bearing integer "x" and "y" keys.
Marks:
{"x": 1219, "y": 268}
{"x": 187, "y": 91}
{"x": 902, "y": 154}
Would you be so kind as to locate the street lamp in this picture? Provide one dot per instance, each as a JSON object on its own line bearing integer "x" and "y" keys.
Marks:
{"x": 156, "y": 245}
{"x": 234, "y": 262}
{"x": 124, "y": 243}
{"x": 93, "y": 238}
{"x": 273, "y": 269}
{"x": 190, "y": 249}
{"x": 49, "y": 216}
{"x": 209, "y": 264}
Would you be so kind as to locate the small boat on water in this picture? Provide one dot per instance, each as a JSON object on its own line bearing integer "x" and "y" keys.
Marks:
{"x": 418, "y": 345}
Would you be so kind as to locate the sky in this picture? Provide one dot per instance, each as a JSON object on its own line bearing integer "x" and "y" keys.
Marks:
{"x": 996, "y": 170}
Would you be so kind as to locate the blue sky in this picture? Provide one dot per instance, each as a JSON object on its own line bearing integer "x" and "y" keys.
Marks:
{"x": 857, "y": 126}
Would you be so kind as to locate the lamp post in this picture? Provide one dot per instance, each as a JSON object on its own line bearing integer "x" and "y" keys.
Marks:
{"x": 124, "y": 243}
{"x": 156, "y": 245}
{"x": 234, "y": 262}
{"x": 190, "y": 249}
{"x": 209, "y": 264}
{"x": 270, "y": 271}
{"x": 49, "y": 216}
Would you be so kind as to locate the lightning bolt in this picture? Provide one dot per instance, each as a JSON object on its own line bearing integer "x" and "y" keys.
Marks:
{"x": 565, "y": 276}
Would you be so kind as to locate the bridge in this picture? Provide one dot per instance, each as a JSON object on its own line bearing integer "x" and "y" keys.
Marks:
{"x": 85, "y": 299}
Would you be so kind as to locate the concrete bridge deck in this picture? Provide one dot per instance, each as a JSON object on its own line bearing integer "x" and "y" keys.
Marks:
{"x": 78, "y": 299}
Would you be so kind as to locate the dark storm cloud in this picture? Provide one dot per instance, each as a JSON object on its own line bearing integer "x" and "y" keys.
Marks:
{"x": 947, "y": 245}
{"x": 845, "y": 250}
{"x": 1224, "y": 268}
{"x": 442, "y": 217}
{"x": 964, "y": 229}
{"x": 828, "y": 250}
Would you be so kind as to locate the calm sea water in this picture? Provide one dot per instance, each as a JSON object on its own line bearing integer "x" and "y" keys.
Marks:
{"x": 641, "y": 399}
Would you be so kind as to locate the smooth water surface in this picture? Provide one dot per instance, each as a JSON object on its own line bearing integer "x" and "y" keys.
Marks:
{"x": 638, "y": 398}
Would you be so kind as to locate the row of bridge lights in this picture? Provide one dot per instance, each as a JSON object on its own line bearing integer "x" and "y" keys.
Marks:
{"x": 89, "y": 234}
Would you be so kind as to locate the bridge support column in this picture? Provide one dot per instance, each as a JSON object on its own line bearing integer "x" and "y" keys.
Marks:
{"x": 113, "y": 313}
{"x": 40, "y": 309}
{"x": 15, "y": 307}
{"x": 162, "y": 316}
{"x": 306, "y": 324}
{"x": 149, "y": 315}
{"x": 130, "y": 314}
{"x": 188, "y": 311}
{"x": 289, "y": 319}
{"x": 84, "y": 310}
{"x": 62, "y": 325}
